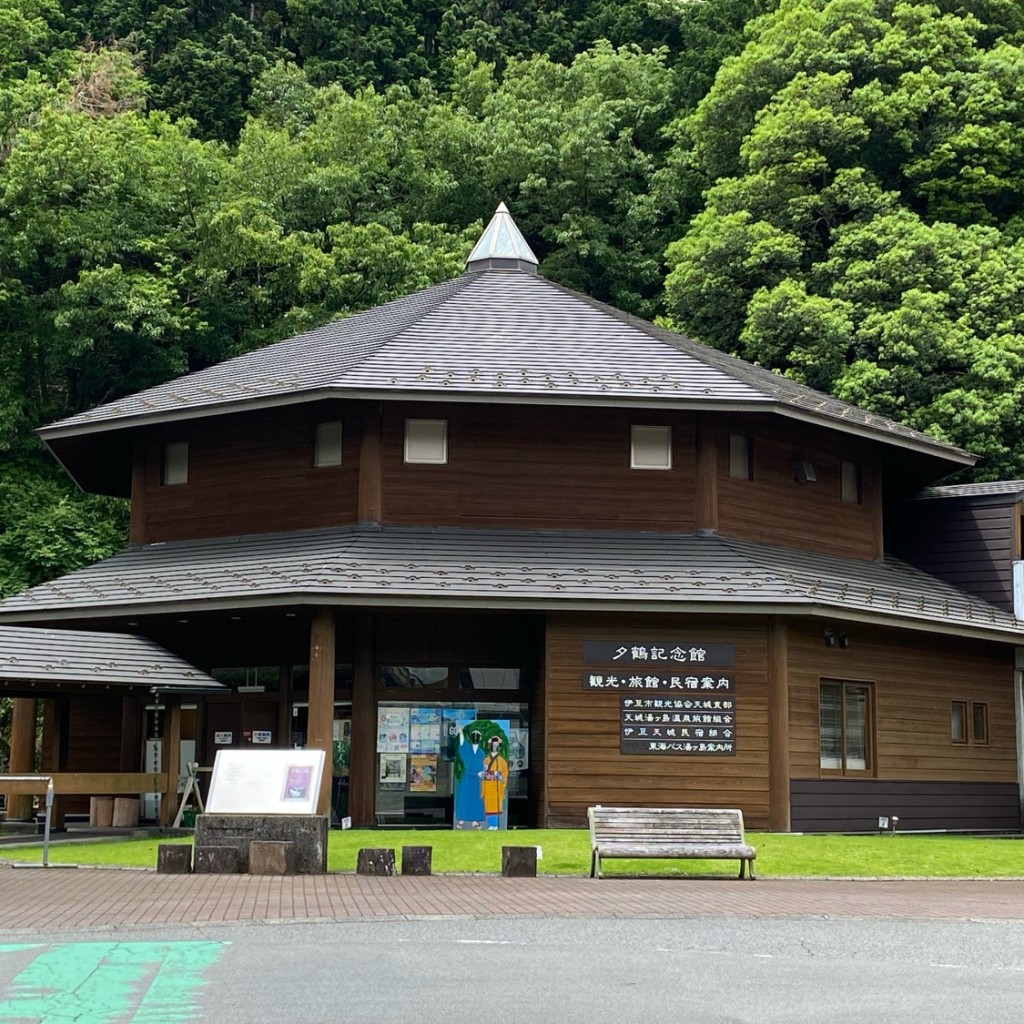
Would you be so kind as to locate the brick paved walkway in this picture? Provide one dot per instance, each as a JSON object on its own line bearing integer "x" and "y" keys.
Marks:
{"x": 61, "y": 899}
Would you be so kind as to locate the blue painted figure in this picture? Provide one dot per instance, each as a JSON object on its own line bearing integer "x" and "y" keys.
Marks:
{"x": 469, "y": 802}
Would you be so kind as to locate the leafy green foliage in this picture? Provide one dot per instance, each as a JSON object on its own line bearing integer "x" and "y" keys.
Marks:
{"x": 860, "y": 227}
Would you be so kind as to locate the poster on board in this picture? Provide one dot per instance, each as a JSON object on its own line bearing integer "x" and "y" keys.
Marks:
{"x": 481, "y": 774}
{"x": 265, "y": 782}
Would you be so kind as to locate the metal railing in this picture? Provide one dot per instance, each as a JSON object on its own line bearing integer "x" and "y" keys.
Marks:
{"x": 49, "y": 805}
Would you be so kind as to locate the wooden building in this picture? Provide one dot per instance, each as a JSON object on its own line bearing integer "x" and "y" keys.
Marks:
{"x": 664, "y": 567}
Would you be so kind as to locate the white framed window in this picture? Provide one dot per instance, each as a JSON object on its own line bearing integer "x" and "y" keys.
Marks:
{"x": 175, "y": 465}
{"x": 741, "y": 457}
{"x": 650, "y": 447}
{"x": 327, "y": 445}
{"x": 426, "y": 441}
{"x": 852, "y": 492}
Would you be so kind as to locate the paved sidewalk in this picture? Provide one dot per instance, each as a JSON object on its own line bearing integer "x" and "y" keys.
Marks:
{"x": 56, "y": 899}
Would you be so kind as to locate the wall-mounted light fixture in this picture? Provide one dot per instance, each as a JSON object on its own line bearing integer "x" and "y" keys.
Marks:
{"x": 834, "y": 639}
{"x": 803, "y": 471}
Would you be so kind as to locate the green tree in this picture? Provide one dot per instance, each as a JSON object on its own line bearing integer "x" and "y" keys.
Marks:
{"x": 861, "y": 165}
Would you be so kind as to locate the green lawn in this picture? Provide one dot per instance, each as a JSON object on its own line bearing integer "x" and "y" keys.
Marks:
{"x": 566, "y": 852}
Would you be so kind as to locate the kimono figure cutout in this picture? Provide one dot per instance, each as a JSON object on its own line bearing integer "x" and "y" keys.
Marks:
{"x": 494, "y": 780}
{"x": 469, "y": 804}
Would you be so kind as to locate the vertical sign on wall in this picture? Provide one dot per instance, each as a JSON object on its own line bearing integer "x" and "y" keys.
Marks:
{"x": 674, "y": 697}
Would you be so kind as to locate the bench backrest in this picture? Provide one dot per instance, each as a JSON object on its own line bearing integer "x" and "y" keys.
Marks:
{"x": 675, "y": 824}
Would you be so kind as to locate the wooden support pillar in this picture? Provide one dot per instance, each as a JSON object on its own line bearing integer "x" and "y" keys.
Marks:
{"x": 369, "y": 493}
{"x": 60, "y": 714}
{"x": 706, "y": 510}
{"x": 363, "y": 757}
{"x": 23, "y": 751}
{"x": 131, "y": 735}
{"x": 321, "y": 697}
{"x": 778, "y": 725}
{"x": 171, "y": 749}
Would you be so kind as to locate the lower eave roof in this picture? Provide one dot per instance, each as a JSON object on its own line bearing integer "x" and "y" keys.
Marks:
{"x": 44, "y": 659}
{"x": 374, "y": 566}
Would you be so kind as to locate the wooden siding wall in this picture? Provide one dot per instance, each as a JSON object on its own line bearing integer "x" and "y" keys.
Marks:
{"x": 584, "y": 765}
{"x": 855, "y": 805}
{"x": 531, "y": 467}
{"x": 776, "y": 509}
{"x": 93, "y": 741}
{"x": 969, "y": 544}
{"x": 246, "y": 474}
{"x": 915, "y": 677}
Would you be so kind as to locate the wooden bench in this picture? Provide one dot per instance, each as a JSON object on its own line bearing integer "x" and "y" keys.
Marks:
{"x": 668, "y": 832}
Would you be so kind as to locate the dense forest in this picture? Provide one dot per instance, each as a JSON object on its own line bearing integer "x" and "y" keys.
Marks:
{"x": 832, "y": 188}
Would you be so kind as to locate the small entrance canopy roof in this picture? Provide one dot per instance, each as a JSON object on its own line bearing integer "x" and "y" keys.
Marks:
{"x": 40, "y": 660}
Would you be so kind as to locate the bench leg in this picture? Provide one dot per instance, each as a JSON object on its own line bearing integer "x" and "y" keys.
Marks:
{"x": 595, "y": 865}
{"x": 744, "y": 864}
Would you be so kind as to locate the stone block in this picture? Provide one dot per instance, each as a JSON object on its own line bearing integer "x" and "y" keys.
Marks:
{"x": 267, "y": 857}
{"x": 307, "y": 831}
{"x": 416, "y": 860}
{"x": 219, "y": 860}
{"x": 174, "y": 859}
{"x": 519, "y": 862}
{"x": 375, "y": 861}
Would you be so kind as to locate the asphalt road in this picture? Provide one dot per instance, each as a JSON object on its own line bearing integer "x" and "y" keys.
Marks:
{"x": 466, "y": 970}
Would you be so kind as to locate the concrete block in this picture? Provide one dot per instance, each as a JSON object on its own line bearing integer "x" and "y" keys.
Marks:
{"x": 375, "y": 861}
{"x": 416, "y": 860}
{"x": 307, "y": 831}
{"x": 174, "y": 859}
{"x": 219, "y": 860}
{"x": 267, "y": 857}
{"x": 519, "y": 862}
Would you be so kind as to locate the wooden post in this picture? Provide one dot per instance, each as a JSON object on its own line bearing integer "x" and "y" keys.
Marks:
{"x": 171, "y": 749}
{"x": 369, "y": 493}
{"x": 321, "y": 697}
{"x": 363, "y": 755}
{"x": 23, "y": 749}
{"x": 131, "y": 735}
{"x": 706, "y": 510}
{"x": 137, "y": 515}
{"x": 778, "y": 725}
{"x": 60, "y": 713}
{"x": 519, "y": 862}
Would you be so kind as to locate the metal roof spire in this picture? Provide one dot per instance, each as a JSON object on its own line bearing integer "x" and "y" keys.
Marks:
{"x": 502, "y": 246}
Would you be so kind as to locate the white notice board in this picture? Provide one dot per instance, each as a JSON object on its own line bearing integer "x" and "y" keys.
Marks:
{"x": 265, "y": 782}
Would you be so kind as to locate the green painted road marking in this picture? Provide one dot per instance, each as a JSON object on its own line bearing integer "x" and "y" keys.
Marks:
{"x": 106, "y": 982}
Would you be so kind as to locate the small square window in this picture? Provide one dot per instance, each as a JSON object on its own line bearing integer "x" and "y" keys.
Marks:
{"x": 175, "y": 467}
{"x": 426, "y": 441}
{"x": 650, "y": 447}
{"x": 979, "y": 722}
{"x": 958, "y": 721}
{"x": 327, "y": 447}
{"x": 851, "y": 483}
{"x": 741, "y": 457}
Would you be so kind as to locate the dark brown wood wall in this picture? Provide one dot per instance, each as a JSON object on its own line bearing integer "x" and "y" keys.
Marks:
{"x": 916, "y": 677}
{"x": 969, "y": 544}
{"x": 584, "y": 765}
{"x": 247, "y": 474}
{"x": 855, "y": 805}
{"x": 775, "y": 508}
{"x": 535, "y": 467}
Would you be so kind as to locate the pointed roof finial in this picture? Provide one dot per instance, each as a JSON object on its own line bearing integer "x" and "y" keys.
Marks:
{"x": 502, "y": 246}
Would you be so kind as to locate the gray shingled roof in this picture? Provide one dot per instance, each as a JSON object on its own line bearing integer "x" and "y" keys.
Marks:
{"x": 995, "y": 488}
{"x": 51, "y": 656}
{"x": 512, "y": 569}
{"x": 490, "y": 335}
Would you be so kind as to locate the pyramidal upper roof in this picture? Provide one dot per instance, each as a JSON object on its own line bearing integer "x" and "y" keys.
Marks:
{"x": 497, "y": 332}
{"x": 502, "y": 246}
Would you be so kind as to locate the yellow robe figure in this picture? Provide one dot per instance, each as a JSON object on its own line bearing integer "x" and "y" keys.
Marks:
{"x": 494, "y": 779}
